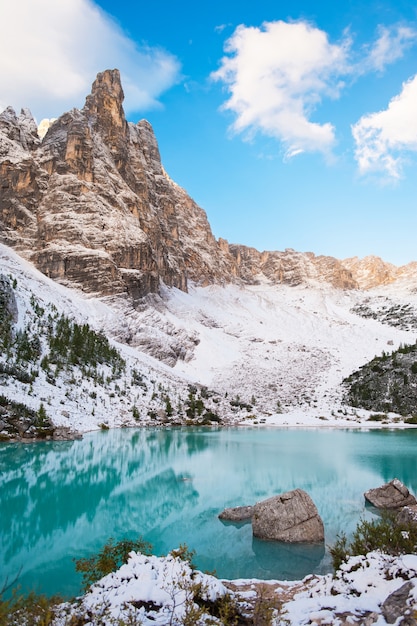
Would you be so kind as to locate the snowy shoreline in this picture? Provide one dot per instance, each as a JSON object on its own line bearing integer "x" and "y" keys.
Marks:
{"x": 372, "y": 589}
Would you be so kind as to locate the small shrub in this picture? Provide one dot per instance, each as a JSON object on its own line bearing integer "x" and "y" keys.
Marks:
{"x": 109, "y": 559}
{"x": 263, "y": 609}
{"x": 377, "y": 417}
{"x": 386, "y": 534}
{"x": 210, "y": 417}
{"x": 168, "y": 407}
{"x": 28, "y": 610}
{"x": 185, "y": 554}
{"x": 225, "y": 608}
{"x": 339, "y": 551}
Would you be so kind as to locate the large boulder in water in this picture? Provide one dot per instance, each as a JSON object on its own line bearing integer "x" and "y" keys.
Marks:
{"x": 290, "y": 517}
{"x": 392, "y": 495}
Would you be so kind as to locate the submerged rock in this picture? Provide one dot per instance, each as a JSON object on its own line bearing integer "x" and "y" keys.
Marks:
{"x": 236, "y": 514}
{"x": 392, "y": 495}
{"x": 290, "y": 517}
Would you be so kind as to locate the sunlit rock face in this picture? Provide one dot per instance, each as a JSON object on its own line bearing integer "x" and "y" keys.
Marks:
{"x": 87, "y": 200}
{"x": 292, "y": 268}
{"x": 371, "y": 271}
{"x": 91, "y": 205}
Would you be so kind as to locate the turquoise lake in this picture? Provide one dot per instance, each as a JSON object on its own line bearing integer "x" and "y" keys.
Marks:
{"x": 60, "y": 501}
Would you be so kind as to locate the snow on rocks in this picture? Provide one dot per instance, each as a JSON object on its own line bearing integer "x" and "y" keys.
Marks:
{"x": 356, "y": 593}
{"x": 269, "y": 355}
{"x": 152, "y": 590}
{"x": 147, "y": 590}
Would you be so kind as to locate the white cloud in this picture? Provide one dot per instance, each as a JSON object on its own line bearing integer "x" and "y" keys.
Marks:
{"x": 51, "y": 51}
{"x": 383, "y": 138}
{"x": 276, "y": 76}
{"x": 389, "y": 46}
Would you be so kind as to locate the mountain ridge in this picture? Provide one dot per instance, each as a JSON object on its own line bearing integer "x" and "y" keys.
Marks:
{"x": 271, "y": 335}
{"x": 92, "y": 207}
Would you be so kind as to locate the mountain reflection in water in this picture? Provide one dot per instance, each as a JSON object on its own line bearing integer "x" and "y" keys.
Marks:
{"x": 63, "y": 500}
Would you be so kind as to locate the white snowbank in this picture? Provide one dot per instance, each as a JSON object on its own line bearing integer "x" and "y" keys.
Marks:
{"x": 149, "y": 589}
{"x": 162, "y": 590}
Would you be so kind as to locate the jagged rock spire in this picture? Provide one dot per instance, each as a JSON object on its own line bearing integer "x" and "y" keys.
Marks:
{"x": 105, "y": 102}
{"x": 104, "y": 110}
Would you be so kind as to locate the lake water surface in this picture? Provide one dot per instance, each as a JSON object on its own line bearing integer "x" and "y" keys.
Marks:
{"x": 63, "y": 500}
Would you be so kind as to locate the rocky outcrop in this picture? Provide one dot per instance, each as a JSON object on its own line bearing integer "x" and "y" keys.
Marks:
{"x": 370, "y": 271}
{"x": 392, "y": 495}
{"x": 289, "y": 517}
{"x": 8, "y": 304}
{"x": 407, "y": 515}
{"x": 291, "y": 267}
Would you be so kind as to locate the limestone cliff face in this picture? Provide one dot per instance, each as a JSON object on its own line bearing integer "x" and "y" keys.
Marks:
{"x": 372, "y": 271}
{"x": 291, "y": 267}
{"x": 91, "y": 205}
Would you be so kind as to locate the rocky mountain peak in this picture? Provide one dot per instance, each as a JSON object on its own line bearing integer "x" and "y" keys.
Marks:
{"x": 107, "y": 96}
{"x": 372, "y": 271}
{"x": 20, "y": 130}
{"x": 91, "y": 205}
{"x": 104, "y": 111}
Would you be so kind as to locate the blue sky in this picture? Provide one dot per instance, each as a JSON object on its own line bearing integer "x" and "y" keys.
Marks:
{"x": 292, "y": 123}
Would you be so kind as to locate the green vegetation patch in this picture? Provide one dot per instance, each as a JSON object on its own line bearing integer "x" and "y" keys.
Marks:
{"x": 388, "y": 383}
{"x": 17, "y": 421}
{"x": 387, "y": 534}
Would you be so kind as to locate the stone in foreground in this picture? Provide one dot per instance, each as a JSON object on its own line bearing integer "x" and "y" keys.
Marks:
{"x": 291, "y": 517}
{"x": 392, "y": 495}
{"x": 397, "y": 605}
{"x": 236, "y": 514}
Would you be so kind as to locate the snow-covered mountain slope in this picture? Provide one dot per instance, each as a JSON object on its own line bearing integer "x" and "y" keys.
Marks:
{"x": 287, "y": 347}
{"x": 251, "y": 354}
{"x": 85, "y": 397}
